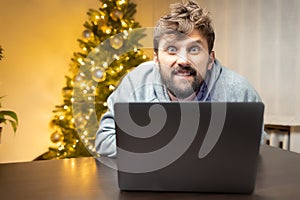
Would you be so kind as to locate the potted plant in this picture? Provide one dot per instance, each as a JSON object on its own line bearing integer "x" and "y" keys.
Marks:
{"x": 7, "y": 115}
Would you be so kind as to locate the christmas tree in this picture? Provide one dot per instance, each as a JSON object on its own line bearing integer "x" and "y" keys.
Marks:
{"x": 110, "y": 48}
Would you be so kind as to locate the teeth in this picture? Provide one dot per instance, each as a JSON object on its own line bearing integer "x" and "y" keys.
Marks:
{"x": 184, "y": 73}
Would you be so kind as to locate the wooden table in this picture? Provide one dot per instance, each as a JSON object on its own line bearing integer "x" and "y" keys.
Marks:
{"x": 278, "y": 177}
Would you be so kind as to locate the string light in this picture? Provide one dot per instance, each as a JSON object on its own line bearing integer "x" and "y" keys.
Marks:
{"x": 111, "y": 87}
{"x": 120, "y": 68}
{"x": 121, "y": 2}
{"x": 90, "y": 147}
{"x": 105, "y": 64}
{"x": 108, "y": 31}
{"x": 81, "y": 61}
{"x": 124, "y": 24}
{"x": 125, "y": 33}
{"x": 61, "y": 148}
{"x": 59, "y": 144}
{"x": 116, "y": 57}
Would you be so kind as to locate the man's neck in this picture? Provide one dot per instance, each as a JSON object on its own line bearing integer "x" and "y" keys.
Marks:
{"x": 189, "y": 98}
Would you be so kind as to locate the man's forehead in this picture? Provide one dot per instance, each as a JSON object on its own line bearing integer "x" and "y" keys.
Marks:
{"x": 178, "y": 37}
{"x": 174, "y": 36}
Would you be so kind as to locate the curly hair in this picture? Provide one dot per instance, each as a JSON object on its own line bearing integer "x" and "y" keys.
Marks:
{"x": 184, "y": 17}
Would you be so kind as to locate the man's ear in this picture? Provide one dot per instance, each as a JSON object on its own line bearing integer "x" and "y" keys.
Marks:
{"x": 155, "y": 57}
{"x": 211, "y": 60}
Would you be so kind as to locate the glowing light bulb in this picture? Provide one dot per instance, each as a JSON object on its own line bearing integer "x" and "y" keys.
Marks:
{"x": 105, "y": 64}
{"x": 111, "y": 87}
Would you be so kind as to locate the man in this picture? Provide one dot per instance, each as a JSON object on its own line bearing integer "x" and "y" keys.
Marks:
{"x": 184, "y": 69}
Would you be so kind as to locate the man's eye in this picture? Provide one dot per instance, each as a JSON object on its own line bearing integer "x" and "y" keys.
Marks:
{"x": 171, "y": 49}
{"x": 195, "y": 50}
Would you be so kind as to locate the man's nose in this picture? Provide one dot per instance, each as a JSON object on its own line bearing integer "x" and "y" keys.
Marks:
{"x": 182, "y": 58}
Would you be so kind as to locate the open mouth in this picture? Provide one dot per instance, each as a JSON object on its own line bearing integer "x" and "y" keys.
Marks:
{"x": 184, "y": 72}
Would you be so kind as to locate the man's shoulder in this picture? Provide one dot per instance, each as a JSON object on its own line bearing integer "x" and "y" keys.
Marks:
{"x": 237, "y": 87}
{"x": 143, "y": 69}
{"x": 233, "y": 78}
{"x": 143, "y": 74}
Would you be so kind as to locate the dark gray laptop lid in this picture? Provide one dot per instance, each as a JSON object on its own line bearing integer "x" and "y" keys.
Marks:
{"x": 190, "y": 146}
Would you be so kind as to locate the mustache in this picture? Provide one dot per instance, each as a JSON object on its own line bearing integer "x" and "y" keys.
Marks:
{"x": 183, "y": 69}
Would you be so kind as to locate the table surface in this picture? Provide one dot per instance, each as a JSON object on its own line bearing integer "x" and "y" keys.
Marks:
{"x": 278, "y": 177}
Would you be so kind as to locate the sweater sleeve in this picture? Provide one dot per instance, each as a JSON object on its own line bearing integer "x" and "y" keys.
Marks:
{"x": 137, "y": 85}
{"x": 105, "y": 142}
{"x": 106, "y": 135}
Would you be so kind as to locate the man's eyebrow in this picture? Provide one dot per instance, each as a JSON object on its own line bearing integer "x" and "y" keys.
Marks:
{"x": 197, "y": 42}
{"x": 175, "y": 41}
{"x": 169, "y": 42}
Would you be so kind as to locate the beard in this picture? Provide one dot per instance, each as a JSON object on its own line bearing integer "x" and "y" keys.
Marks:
{"x": 181, "y": 88}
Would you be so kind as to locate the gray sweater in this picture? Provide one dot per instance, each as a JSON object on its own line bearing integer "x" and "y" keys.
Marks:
{"x": 143, "y": 84}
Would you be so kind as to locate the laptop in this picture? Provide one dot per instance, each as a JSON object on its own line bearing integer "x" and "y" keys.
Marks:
{"x": 188, "y": 146}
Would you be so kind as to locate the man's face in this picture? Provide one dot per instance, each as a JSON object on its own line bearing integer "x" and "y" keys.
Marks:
{"x": 183, "y": 62}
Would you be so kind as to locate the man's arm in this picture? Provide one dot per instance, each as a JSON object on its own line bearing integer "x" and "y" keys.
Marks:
{"x": 106, "y": 135}
{"x": 105, "y": 142}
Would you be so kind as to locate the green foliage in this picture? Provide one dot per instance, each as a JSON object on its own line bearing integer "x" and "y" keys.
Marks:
{"x": 8, "y": 116}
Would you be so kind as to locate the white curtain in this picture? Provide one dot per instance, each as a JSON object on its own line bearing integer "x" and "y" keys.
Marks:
{"x": 259, "y": 39}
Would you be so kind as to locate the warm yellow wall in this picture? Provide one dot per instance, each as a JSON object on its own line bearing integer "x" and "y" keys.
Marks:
{"x": 39, "y": 38}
